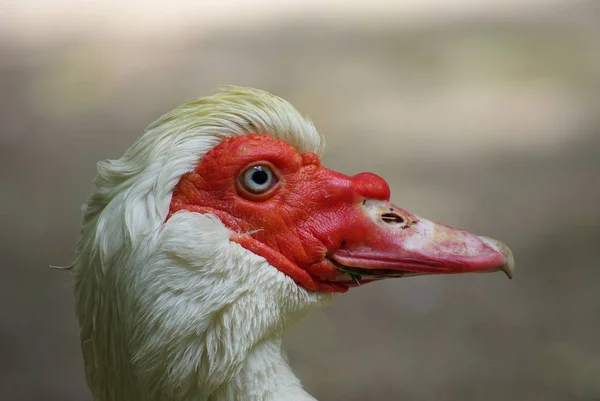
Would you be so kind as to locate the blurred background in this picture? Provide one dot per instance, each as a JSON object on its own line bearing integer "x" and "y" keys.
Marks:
{"x": 481, "y": 114}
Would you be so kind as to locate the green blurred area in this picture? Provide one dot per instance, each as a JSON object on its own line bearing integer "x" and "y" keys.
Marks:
{"x": 489, "y": 122}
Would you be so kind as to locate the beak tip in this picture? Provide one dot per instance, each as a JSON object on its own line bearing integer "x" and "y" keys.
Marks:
{"x": 509, "y": 273}
{"x": 508, "y": 267}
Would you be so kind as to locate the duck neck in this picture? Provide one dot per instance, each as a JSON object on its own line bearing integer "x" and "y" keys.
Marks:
{"x": 206, "y": 325}
{"x": 265, "y": 376}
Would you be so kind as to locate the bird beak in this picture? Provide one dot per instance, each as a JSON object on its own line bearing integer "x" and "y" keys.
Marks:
{"x": 387, "y": 241}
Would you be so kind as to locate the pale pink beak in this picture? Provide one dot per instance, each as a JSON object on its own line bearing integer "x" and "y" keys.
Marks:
{"x": 396, "y": 243}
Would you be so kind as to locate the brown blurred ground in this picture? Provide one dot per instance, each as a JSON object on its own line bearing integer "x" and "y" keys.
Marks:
{"x": 489, "y": 122}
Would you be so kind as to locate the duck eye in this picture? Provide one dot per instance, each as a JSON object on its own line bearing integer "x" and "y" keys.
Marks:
{"x": 258, "y": 179}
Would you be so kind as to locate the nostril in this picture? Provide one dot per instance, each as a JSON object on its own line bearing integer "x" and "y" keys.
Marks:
{"x": 392, "y": 218}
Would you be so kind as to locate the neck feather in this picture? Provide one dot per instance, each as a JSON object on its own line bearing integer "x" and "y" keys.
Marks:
{"x": 188, "y": 316}
{"x": 266, "y": 375}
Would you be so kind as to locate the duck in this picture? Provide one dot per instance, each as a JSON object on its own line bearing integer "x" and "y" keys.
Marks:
{"x": 216, "y": 231}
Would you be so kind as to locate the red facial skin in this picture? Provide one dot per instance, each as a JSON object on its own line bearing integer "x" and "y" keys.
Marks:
{"x": 301, "y": 219}
{"x": 309, "y": 214}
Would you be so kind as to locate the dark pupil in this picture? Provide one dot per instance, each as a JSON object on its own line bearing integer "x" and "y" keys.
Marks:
{"x": 260, "y": 176}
